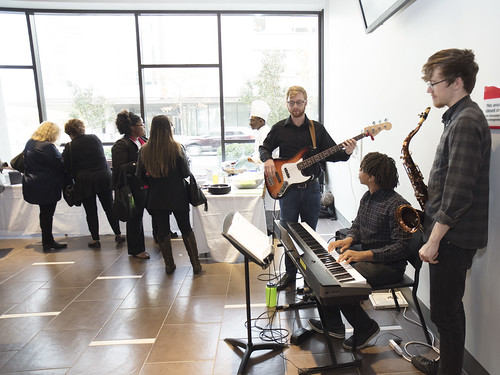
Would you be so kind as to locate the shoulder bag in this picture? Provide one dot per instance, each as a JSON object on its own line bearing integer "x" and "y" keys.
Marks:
{"x": 18, "y": 162}
{"x": 69, "y": 192}
{"x": 124, "y": 207}
{"x": 195, "y": 195}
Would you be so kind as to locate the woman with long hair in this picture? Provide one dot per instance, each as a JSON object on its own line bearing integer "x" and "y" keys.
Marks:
{"x": 163, "y": 166}
{"x": 84, "y": 160}
{"x": 44, "y": 178}
{"x": 124, "y": 159}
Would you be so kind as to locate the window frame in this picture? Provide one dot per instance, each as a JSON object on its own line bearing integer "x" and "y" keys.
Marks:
{"x": 141, "y": 67}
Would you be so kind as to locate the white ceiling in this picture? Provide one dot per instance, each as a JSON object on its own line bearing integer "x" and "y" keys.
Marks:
{"x": 263, "y": 5}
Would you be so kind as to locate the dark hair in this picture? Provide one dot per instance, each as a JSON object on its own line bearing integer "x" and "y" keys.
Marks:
{"x": 125, "y": 120}
{"x": 159, "y": 155}
{"x": 454, "y": 63}
{"x": 74, "y": 127}
{"x": 383, "y": 168}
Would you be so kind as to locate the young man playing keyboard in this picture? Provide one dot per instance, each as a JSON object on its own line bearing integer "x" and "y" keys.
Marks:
{"x": 384, "y": 247}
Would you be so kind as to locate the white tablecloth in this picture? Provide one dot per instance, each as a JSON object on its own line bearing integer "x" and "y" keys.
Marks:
{"x": 208, "y": 224}
{"x": 17, "y": 217}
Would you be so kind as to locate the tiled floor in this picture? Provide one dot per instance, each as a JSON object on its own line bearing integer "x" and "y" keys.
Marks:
{"x": 85, "y": 311}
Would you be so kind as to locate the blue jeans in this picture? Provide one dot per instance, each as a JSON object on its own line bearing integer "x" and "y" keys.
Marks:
{"x": 447, "y": 281}
{"x": 303, "y": 202}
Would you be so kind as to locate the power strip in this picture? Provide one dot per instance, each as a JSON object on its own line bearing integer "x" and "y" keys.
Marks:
{"x": 393, "y": 344}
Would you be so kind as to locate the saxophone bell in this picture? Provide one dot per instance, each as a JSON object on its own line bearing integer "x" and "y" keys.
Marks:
{"x": 409, "y": 218}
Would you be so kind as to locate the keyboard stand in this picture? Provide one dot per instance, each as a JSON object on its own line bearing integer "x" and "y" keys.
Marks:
{"x": 335, "y": 365}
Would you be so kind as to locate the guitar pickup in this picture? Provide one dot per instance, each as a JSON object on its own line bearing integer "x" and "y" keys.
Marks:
{"x": 270, "y": 181}
{"x": 286, "y": 172}
{"x": 278, "y": 177}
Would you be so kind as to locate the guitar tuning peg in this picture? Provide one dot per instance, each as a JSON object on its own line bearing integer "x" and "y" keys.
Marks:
{"x": 373, "y": 123}
{"x": 385, "y": 120}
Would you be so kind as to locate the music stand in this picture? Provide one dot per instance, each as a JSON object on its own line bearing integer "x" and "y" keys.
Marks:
{"x": 249, "y": 346}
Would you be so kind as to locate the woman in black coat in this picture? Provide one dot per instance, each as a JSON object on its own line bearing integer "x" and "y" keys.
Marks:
{"x": 124, "y": 158}
{"x": 163, "y": 166}
{"x": 44, "y": 178}
{"x": 84, "y": 160}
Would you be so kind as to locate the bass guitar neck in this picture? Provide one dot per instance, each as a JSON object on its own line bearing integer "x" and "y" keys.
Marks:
{"x": 289, "y": 171}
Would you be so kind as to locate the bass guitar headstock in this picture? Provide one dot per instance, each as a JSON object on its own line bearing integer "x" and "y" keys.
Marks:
{"x": 373, "y": 130}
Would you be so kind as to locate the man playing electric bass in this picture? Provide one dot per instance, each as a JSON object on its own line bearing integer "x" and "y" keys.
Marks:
{"x": 292, "y": 135}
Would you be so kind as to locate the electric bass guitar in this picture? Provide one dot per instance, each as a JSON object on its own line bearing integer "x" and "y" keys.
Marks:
{"x": 289, "y": 171}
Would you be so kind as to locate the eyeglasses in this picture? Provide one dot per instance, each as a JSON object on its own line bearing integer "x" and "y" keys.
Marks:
{"x": 432, "y": 84}
{"x": 299, "y": 103}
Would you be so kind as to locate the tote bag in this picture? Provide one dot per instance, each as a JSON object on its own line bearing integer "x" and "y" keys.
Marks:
{"x": 195, "y": 195}
{"x": 124, "y": 207}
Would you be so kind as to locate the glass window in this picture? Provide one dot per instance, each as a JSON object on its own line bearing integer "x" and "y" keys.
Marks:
{"x": 190, "y": 97}
{"x": 17, "y": 43}
{"x": 18, "y": 110}
{"x": 263, "y": 55}
{"x": 179, "y": 39}
{"x": 89, "y": 69}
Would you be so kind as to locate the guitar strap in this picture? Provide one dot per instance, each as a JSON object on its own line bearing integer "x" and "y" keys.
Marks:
{"x": 313, "y": 133}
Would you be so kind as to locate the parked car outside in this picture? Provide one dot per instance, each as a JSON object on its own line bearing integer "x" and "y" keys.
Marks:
{"x": 210, "y": 143}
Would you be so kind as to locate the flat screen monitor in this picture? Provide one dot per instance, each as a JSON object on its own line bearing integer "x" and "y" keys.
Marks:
{"x": 376, "y": 12}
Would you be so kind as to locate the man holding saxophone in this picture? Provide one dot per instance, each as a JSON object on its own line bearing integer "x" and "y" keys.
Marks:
{"x": 456, "y": 212}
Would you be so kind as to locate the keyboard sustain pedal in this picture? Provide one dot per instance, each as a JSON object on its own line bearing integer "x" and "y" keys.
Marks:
{"x": 300, "y": 335}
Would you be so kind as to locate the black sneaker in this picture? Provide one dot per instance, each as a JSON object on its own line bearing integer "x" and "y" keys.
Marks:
{"x": 363, "y": 338}
{"x": 425, "y": 365}
{"x": 338, "y": 331}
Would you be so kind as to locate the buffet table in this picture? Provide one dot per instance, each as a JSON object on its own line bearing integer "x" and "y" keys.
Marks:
{"x": 207, "y": 225}
{"x": 17, "y": 218}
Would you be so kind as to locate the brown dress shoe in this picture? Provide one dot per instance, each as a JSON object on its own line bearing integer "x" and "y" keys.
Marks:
{"x": 143, "y": 255}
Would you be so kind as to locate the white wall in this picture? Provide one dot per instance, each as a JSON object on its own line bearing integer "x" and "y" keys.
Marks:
{"x": 376, "y": 76}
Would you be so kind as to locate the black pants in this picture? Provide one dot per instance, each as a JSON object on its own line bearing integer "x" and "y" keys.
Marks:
{"x": 90, "y": 206}
{"x": 135, "y": 229}
{"x": 46, "y": 219}
{"x": 447, "y": 281}
{"x": 375, "y": 274}
{"x": 162, "y": 222}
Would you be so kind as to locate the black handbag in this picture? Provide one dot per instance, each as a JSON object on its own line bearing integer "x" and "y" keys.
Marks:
{"x": 69, "y": 195}
{"x": 70, "y": 191}
{"x": 195, "y": 195}
{"x": 124, "y": 207}
{"x": 18, "y": 162}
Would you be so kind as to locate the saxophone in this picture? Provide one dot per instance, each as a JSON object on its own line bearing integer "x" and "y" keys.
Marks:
{"x": 409, "y": 218}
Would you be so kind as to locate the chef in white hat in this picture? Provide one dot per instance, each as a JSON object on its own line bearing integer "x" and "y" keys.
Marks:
{"x": 258, "y": 118}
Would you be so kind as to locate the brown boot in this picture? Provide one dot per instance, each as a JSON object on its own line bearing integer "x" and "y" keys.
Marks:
{"x": 192, "y": 250}
{"x": 166, "y": 251}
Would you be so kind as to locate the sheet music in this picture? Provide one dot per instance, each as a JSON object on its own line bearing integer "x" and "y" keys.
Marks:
{"x": 249, "y": 236}
{"x": 352, "y": 271}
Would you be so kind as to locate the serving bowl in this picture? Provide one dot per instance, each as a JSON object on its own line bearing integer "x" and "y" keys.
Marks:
{"x": 248, "y": 180}
{"x": 219, "y": 189}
